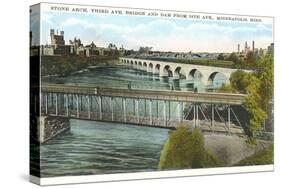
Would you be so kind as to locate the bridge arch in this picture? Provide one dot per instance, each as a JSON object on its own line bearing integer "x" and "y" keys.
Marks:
{"x": 195, "y": 79}
{"x": 217, "y": 79}
{"x": 179, "y": 73}
{"x": 144, "y": 66}
{"x": 194, "y": 74}
{"x": 150, "y": 67}
{"x": 157, "y": 69}
{"x": 139, "y": 65}
{"x": 167, "y": 71}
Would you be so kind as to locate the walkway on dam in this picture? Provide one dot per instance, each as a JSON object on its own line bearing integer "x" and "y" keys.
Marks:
{"x": 168, "y": 109}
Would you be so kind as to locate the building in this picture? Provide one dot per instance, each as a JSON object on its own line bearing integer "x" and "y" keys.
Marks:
{"x": 247, "y": 48}
{"x": 63, "y": 50}
{"x": 57, "y": 39}
{"x": 261, "y": 52}
{"x": 76, "y": 43}
{"x": 57, "y": 45}
{"x": 122, "y": 51}
{"x": 48, "y": 50}
{"x": 270, "y": 49}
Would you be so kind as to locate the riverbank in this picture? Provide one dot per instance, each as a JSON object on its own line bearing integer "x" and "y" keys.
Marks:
{"x": 186, "y": 149}
{"x": 232, "y": 149}
{"x": 64, "y": 66}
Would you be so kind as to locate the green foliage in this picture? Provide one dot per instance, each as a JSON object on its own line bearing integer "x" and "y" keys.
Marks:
{"x": 211, "y": 160}
{"x": 250, "y": 60}
{"x": 251, "y": 141}
{"x": 221, "y": 56}
{"x": 176, "y": 152}
{"x": 198, "y": 150}
{"x": 259, "y": 87}
{"x": 235, "y": 59}
{"x": 265, "y": 73}
{"x": 65, "y": 65}
{"x": 225, "y": 88}
{"x": 185, "y": 149}
{"x": 253, "y": 104}
{"x": 239, "y": 81}
{"x": 261, "y": 158}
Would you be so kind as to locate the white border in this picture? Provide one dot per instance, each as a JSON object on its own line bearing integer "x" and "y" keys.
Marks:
{"x": 149, "y": 175}
{"x": 45, "y": 7}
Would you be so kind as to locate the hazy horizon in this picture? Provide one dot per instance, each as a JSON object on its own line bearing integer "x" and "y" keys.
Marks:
{"x": 163, "y": 34}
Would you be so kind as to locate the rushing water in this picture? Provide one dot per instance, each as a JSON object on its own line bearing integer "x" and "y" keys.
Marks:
{"x": 122, "y": 76}
{"x": 101, "y": 147}
{"x": 98, "y": 147}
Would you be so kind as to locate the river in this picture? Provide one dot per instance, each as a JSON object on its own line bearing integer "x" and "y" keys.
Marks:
{"x": 92, "y": 147}
{"x": 122, "y": 76}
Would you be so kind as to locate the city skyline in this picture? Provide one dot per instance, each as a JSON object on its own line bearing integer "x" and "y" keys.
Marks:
{"x": 177, "y": 35}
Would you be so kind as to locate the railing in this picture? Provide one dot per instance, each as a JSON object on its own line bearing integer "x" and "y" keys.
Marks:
{"x": 201, "y": 97}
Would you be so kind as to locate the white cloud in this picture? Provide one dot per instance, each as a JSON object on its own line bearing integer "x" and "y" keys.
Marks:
{"x": 165, "y": 34}
{"x": 47, "y": 18}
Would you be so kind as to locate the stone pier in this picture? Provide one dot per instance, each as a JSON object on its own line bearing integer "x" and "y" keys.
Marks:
{"x": 49, "y": 127}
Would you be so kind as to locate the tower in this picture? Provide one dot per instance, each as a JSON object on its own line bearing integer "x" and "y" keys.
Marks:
{"x": 238, "y": 50}
{"x": 246, "y": 45}
{"x": 61, "y": 33}
{"x": 52, "y": 36}
{"x": 253, "y": 45}
{"x": 52, "y": 32}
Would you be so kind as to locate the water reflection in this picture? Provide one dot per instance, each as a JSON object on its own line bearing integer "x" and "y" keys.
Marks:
{"x": 122, "y": 76}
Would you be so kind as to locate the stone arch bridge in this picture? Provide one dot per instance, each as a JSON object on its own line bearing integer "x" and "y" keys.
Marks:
{"x": 179, "y": 70}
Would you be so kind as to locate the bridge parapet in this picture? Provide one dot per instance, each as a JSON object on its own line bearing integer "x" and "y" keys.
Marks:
{"x": 185, "y": 96}
{"x": 172, "y": 69}
{"x": 210, "y": 111}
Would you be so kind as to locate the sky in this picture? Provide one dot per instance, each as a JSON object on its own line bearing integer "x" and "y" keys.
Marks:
{"x": 163, "y": 34}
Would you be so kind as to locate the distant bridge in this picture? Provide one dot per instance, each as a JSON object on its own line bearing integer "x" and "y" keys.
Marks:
{"x": 209, "y": 111}
{"x": 179, "y": 70}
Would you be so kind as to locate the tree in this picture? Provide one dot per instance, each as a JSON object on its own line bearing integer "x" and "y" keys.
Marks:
{"x": 185, "y": 149}
{"x": 198, "y": 149}
{"x": 265, "y": 73}
{"x": 225, "y": 88}
{"x": 145, "y": 49}
{"x": 253, "y": 104}
{"x": 177, "y": 150}
{"x": 250, "y": 61}
{"x": 259, "y": 87}
{"x": 235, "y": 59}
{"x": 239, "y": 81}
{"x": 221, "y": 56}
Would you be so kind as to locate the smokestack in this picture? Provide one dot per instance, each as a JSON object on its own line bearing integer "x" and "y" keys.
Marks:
{"x": 238, "y": 48}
